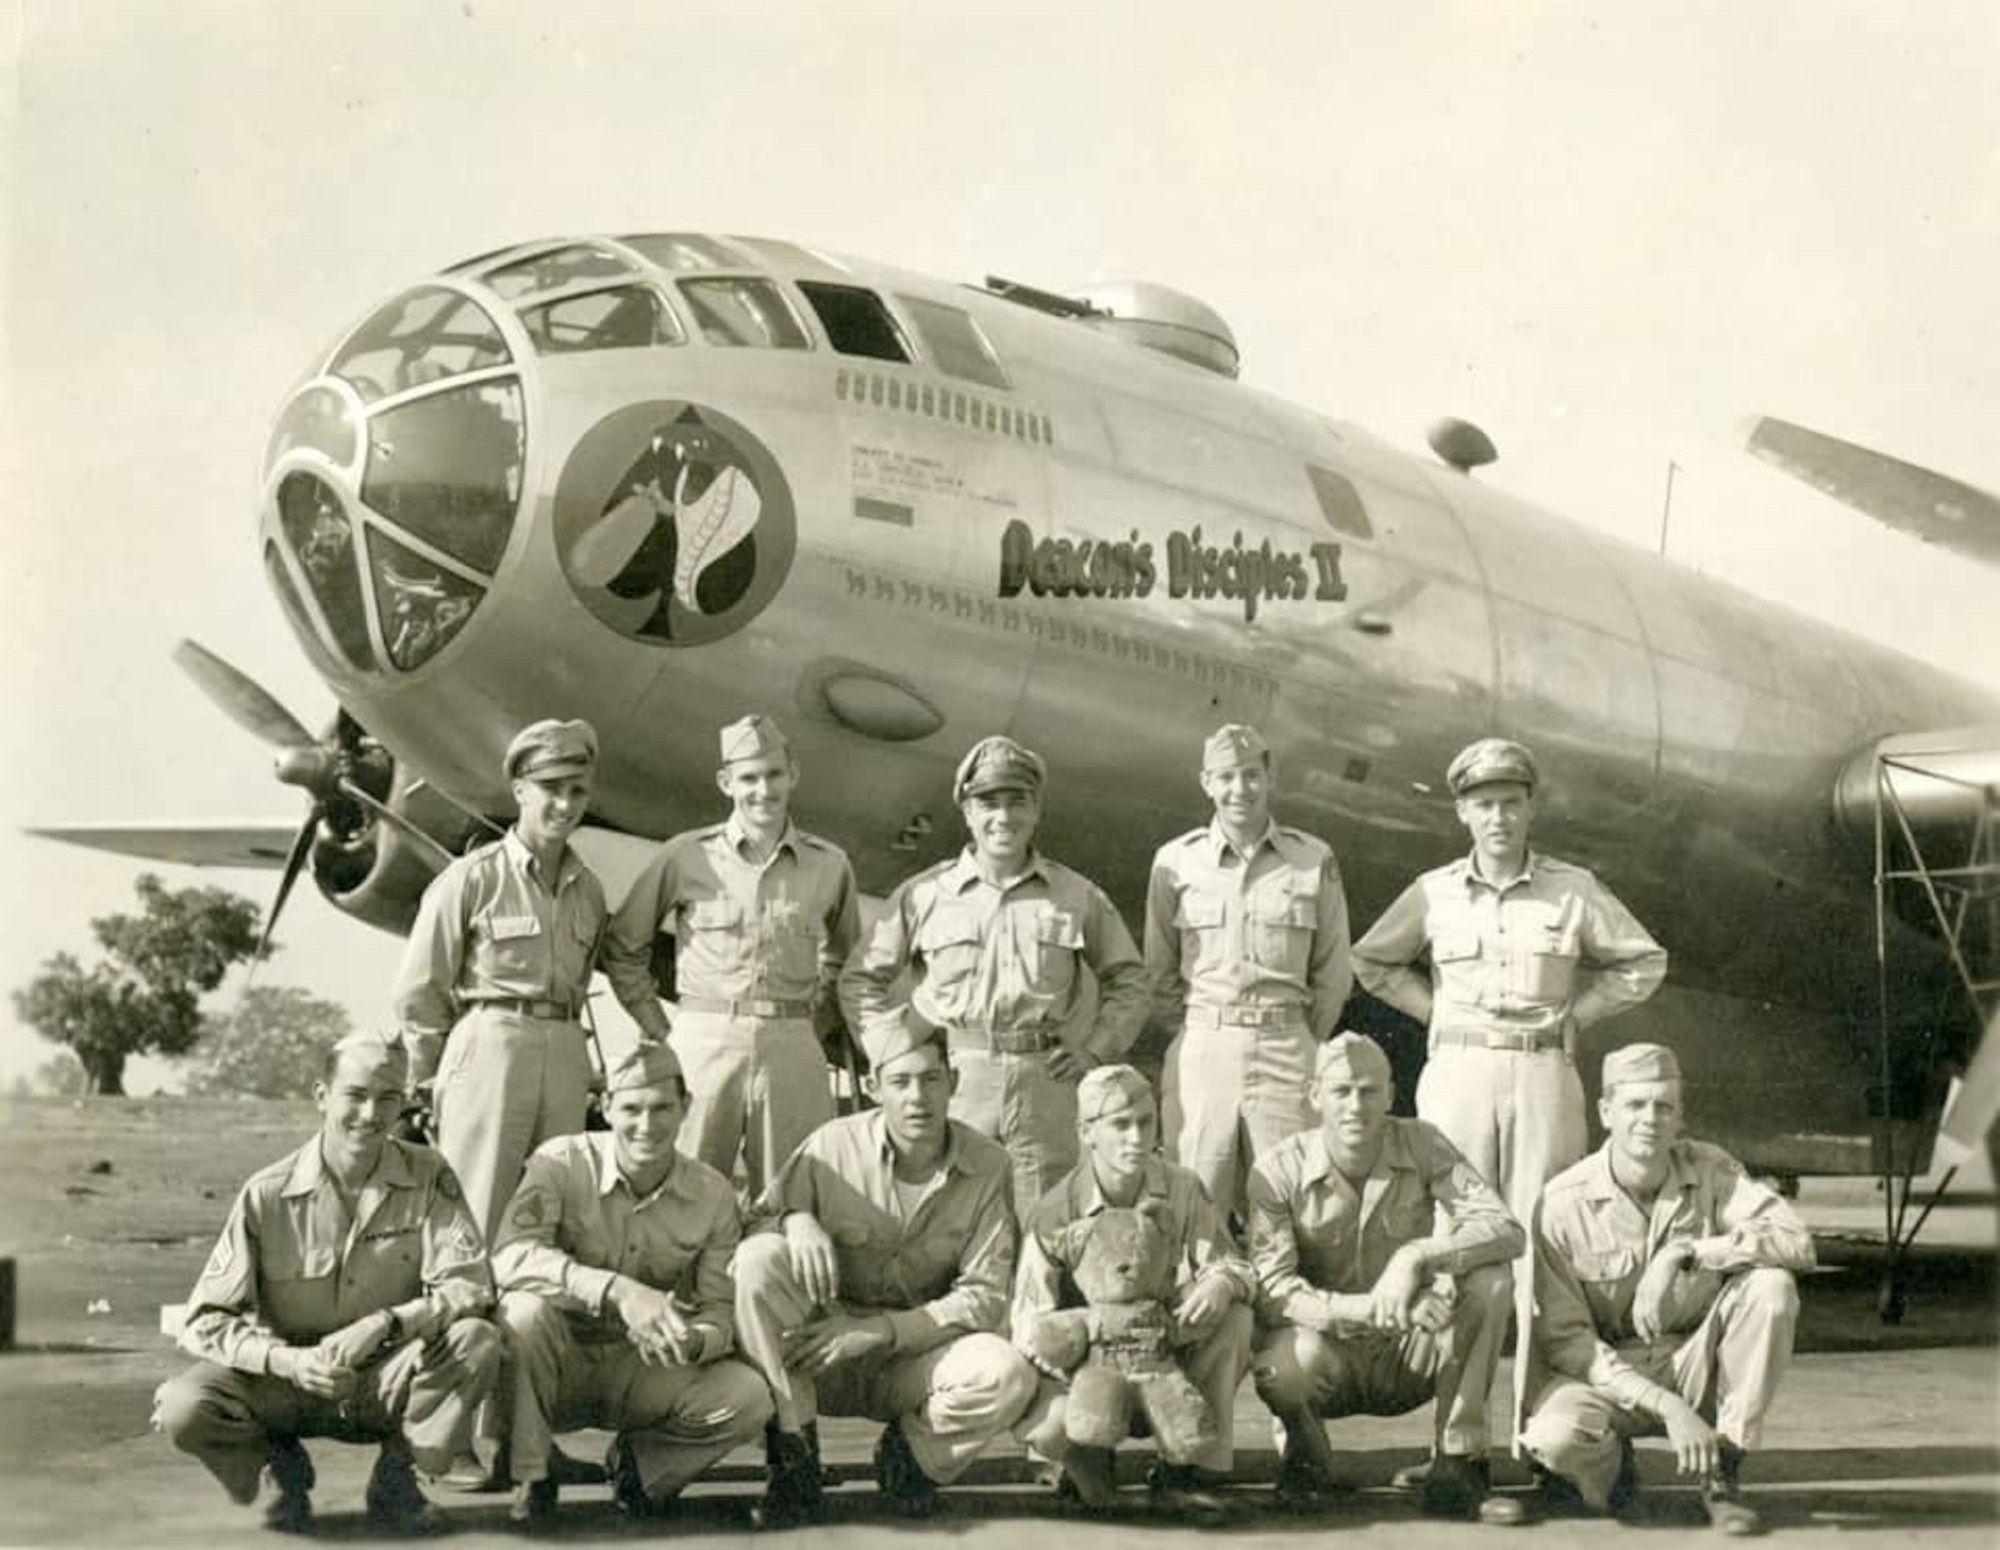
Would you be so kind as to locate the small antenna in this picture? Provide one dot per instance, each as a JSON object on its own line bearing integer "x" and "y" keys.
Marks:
{"x": 1667, "y": 507}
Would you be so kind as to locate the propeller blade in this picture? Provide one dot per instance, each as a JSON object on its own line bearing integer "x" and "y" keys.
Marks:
{"x": 294, "y": 864}
{"x": 389, "y": 814}
{"x": 241, "y": 698}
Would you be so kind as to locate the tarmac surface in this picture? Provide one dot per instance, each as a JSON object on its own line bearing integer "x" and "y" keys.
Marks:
{"x": 109, "y": 1206}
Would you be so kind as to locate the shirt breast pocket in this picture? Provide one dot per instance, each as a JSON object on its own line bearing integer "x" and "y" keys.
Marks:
{"x": 715, "y": 931}
{"x": 792, "y": 938}
{"x": 950, "y": 942}
{"x": 1544, "y": 963}
{"x": 512, "y": 944}
{"x": 1604, "y": 1268}
{"x": 293, "y": 1274}
{"x": 1057, "y": 940}
{"x": 1282, "y": 925}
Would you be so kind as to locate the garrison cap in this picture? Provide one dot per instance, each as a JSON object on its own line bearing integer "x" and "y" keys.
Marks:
{"x": 549, "y": 749}
{"x": 1489, "y": 760}
{"x": 893, "y": 1038}
{"x": 1232, "y": 745}
{"x": 647, "y": 1065}
{"x": 1111, "y": 1090}
{"x": 998, "y": 764}
{"x": 754, "y": 737}
{"x": 1353, "y": 1055}
{"x": 1641, "y": 1063}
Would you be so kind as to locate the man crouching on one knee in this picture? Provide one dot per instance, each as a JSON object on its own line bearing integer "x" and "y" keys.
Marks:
{"x": 1375, "y": 1309}
{"x": 878, "y": 1283}
{"x": 1664, "y": 1298}
{"x": 1212, "y": 1284}
{"x": 613, "y": 1257}
{"x": 340, "y": 1301}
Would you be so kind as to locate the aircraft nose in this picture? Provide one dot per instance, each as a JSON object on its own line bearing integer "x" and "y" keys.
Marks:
{"x": 393, "y": 481}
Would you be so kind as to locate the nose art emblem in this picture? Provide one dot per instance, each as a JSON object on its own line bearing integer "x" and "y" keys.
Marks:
{"x": 674, "y": 525}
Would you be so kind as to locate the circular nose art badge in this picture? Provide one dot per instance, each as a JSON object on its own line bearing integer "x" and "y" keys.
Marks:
{"x": 673, "y": 523}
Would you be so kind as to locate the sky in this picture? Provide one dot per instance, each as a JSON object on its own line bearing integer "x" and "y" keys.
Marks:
{"x": 1606, "y": 234}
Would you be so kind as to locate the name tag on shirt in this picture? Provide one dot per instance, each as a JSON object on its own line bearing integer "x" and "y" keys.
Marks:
{"x": 507, "y": 927}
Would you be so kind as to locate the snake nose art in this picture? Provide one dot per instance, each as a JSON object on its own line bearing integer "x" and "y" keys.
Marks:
{"x": 674, "y": 525}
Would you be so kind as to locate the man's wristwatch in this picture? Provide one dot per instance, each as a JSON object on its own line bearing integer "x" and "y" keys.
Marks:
{"x": 395, "y": 1330}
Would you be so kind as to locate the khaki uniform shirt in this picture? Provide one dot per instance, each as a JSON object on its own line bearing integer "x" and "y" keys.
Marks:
{"x": 1267, "y": 929}
{"x": 1312, "y": 1232}
{"x": 1003, "y": 958}
{"x": 575, "y": 1225}
{"x": 292, "y": 1265}
{"x": 1593, "y": 1242}
{"x": 491, "y": 928}
{"x": 1552, "y": 951}
{"x": 778, "y": 931}
{"x": 946, "y": 1268}
{"x": 1062, "y": 1221}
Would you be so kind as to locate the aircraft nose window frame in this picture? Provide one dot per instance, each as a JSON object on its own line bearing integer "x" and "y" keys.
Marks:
{"x": 743, "y": 310}
{"x": 856, "y": 320}
{"x": 617, "y": 317}
{"x": 567, "y": 265}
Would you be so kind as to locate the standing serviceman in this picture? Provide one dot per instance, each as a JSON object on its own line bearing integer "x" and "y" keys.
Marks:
{"x": 1525, "y": 952}
{"x": 763, "y": 915}
{"x": 499, "y": 959}
{"x": 997, "y": 936}
{"x": 1246, "y": 943}
{"x": 343, "y": 1299}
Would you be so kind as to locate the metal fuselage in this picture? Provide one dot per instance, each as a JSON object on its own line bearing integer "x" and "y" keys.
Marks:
{"x": 1690, "y": 734}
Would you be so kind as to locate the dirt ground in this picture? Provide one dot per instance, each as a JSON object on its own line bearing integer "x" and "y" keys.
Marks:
{"x": 109, "y": 1206}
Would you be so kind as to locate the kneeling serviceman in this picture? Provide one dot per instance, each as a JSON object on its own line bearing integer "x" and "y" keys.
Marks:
{"x": 340, "y": 1301}
{"x": 878, "y": 1283}
{"x": 1209, "y": 1323}
{"x": 1664, "y": 1299}
{"x": 613, "y": 1261}
{"x": 1374, "y": 1306}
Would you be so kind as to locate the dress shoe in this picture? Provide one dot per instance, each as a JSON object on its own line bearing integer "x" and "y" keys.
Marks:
{"x": 396, "y": 1503}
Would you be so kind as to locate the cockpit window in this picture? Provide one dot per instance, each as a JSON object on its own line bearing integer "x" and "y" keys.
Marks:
{"x": 320, "y": 534}
{"x": 856, "y": 322}
{"x": 422, "y": 336}
{"x": 447, "y": 467}
{"x": 738, "y": 310}
{"x": 627, "y": 317}
{"x": 681, "y": 250}
{"x": 956, "y": 343}
{"x": 563, "y": 266}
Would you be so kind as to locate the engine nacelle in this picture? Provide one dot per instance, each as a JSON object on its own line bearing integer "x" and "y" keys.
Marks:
{"x": 368, "y": 868}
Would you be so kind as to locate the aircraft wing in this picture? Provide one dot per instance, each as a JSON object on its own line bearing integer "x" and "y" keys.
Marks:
{"x": 223, "y": 844}
{"x": 1932, "y": 506}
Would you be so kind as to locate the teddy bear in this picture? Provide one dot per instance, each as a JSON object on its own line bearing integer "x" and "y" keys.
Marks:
{"x": 1116, "y": 1351}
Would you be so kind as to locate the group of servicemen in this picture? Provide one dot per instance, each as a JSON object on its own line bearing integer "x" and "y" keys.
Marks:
{"x": 530, "y": 1276}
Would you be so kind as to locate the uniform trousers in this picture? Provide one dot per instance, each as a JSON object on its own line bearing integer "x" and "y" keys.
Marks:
{"x": 228, "y": 1419}
{"x": 756, "y": 1085}
{"x": 1518, "y": 1117}
{"x": 951, "y": 1400}
{"x": 507, "y": 1083}
{"x": 1728, "y": 1369}
{"x": 1229, "y": 1094}
{"x": 1215, "y": 1366}
{"x": 1304, "y": 1374}
{"x": 1014, "y": 1099}
{"x": 675, "y": 1420}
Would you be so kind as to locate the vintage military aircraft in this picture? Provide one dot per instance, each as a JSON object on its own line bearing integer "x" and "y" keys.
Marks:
{"x": 662, "y": 480}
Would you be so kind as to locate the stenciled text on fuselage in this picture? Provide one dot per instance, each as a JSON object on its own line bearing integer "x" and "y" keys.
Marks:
{"x": 1127, "y": 567}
